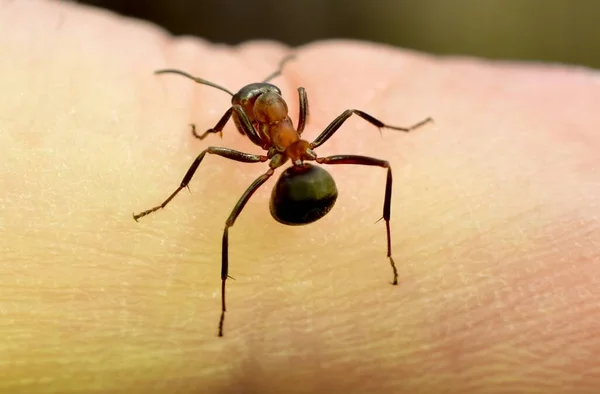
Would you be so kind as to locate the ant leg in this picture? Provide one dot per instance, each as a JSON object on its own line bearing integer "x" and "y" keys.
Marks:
{"x": 225, "y": 246}
{"x": 277, "y": 72}
{"x": 387, "y": 203}
{"x": 242, "y": 120}
{"x": 337, "y": 122}
{"x": 246, "y": 127}
{"x": 224, "y": 152}
{"x": 303, "y": 116}
{"x": 218, "y": 127}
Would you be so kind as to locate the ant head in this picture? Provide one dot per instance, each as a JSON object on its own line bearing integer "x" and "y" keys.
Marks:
{"x": 270, "y": 108}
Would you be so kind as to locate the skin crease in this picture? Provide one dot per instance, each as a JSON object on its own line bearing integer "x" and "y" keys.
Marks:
{"x": 495, "y": 220}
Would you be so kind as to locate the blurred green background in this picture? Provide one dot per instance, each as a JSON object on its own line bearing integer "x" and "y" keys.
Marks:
{"x": 566, "y": 31}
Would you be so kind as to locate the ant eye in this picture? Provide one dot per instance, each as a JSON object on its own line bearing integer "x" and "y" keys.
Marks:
{"x": 270, "y": 108}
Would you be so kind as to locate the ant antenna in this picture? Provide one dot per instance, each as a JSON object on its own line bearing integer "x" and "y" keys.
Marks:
{"x": 280, "y": 68}
{"x": 195, "y": 79}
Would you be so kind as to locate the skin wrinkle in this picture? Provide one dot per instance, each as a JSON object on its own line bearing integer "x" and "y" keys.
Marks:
{"x": 486, "y": 318}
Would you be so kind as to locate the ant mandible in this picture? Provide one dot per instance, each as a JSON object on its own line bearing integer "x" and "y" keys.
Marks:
{"x": 304, "y": 193}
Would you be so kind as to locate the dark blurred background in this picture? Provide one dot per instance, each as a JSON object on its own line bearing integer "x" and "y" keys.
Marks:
{"x": 566, "y": 31}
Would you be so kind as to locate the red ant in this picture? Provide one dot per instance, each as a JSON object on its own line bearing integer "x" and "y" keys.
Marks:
{"x": 303, "y": 193}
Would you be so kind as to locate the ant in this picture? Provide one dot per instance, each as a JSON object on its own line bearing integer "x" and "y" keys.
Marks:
{"x": 304, "y": 193}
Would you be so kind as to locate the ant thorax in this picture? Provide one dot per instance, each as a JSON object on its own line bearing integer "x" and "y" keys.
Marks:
{"x": 282, "y": 134}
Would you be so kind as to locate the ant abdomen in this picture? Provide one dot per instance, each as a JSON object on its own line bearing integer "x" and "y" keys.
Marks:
{"x": 303, "y": 194}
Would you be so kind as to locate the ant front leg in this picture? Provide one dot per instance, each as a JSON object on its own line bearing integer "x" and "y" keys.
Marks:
{"x": 387, "y": 202}
{"x": 244, "y": 125}
{"x": 224, "y": 152}
{"x": 218, "y": 127}
{"x": 337, "y": 123}
{"x": 303, "y": 104}
{"x": 225, "y": 245}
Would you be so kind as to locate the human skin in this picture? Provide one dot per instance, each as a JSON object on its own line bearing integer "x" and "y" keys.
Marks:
{"x": 495, "y": 220}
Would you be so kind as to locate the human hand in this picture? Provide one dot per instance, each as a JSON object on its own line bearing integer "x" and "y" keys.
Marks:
{"x": 495, "y": 223}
